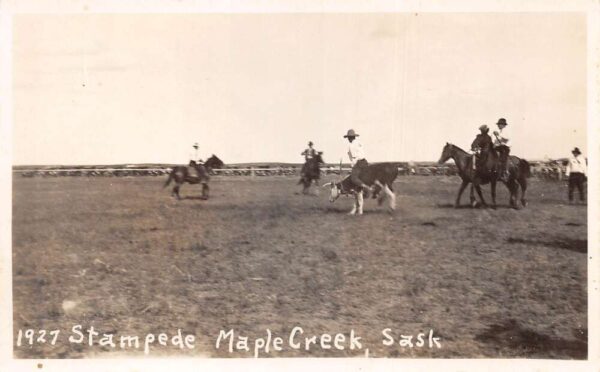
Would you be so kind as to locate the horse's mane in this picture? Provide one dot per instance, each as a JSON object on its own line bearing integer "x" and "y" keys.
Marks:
{"x": 457, "y": 148}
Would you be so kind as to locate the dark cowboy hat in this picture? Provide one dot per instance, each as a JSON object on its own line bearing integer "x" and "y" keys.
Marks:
{"x": 310, "y": 143}
{"x": 351, "y": 133}
{"x": 501, "y": 121}
{"x": 484, "y": 128}
{"x": 576, "y": 151}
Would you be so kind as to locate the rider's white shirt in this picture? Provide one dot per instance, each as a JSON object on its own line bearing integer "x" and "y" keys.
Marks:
{"x": 308, "y": 153}
{"x": 502, "y": 134}
{"x": 355, "y": 151}
{"x": 576, "y": 165}
{"x": 192, "y": 155}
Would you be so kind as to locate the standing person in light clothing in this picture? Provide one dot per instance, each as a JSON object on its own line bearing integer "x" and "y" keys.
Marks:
{"x": 576, "y": 173}
{"x": 356, "y": 153}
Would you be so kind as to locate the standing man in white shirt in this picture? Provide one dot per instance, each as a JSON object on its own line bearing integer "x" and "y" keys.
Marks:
{"x": 356, "y": 154}
{"x": 576, "y": 172}
{"x": 501, "y": 145}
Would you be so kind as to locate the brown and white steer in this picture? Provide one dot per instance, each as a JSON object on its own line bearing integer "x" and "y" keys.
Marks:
{"x": 380, "y": 175}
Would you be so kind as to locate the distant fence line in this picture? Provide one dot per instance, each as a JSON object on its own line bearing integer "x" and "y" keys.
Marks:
{"x": 130, "y": 172}
{"x": 541, "y": 170}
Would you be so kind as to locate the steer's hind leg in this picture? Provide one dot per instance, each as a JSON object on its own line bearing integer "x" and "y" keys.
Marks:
{"x": 391, "y": 196}
{"x": 359, "y": 202}
{"x": 355, "y": 205}
{"x": 382, "y": 194}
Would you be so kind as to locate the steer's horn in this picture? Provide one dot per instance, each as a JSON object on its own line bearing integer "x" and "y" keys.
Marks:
{"x": 327, "y": 184}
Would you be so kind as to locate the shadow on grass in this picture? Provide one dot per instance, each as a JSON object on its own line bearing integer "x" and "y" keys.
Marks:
{"x": 575, "y": 245}
{"x": 468, "y": 206}
{"x": 374, "y": 211}
{"x": 525, "y": 342}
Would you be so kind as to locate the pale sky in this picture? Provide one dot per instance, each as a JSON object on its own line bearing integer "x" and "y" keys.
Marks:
{"x": 105, "y": 89}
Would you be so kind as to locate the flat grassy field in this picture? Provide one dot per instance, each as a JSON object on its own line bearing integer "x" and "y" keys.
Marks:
{"x": 122, "y": 255}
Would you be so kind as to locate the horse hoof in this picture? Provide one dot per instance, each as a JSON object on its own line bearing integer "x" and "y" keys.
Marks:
{"x": 524, "y": 202}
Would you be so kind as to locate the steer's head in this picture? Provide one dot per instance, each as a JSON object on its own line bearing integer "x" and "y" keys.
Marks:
{"x": 335, "y": 190}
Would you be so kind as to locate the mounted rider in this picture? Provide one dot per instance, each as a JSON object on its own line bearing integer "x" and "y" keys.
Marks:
{"x": 194, "y": 161}
{"x": 356, "y": 153}
{"x": 476, "y": 151}
{"x": 310, "y": 152}
{"x": 501, "y": 146}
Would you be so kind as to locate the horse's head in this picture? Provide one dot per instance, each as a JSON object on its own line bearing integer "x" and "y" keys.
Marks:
{"x": 214, "y": 163}
{"x": 319, "y": 158}
{"x": 446, "y": 153}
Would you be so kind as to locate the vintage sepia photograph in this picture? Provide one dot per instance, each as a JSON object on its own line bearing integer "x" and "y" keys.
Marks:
{"x": 405, "y": 185}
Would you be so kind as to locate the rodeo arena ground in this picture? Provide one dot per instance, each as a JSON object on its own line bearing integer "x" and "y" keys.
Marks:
{"x": 110, "y": 247}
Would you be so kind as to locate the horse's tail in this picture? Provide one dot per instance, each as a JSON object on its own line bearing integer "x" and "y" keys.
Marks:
{"x": 168, "y": 179}
{"x": 525, "y": 168}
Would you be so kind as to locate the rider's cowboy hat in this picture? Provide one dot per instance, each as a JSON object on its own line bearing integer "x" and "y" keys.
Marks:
{"x": 351, "y": 133}
{"x": 576, "y": 151}
{"x": 501, "y": 121}
{"x": 484, "y": 128}
{"x": 310, "y": 143}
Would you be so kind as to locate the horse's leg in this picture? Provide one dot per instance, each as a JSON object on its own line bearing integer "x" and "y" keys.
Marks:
{"x": 523, "y": 183}
{"x": 513, "y": 189}
{"x": 472, "y": 196}
{"x": 205, "y": 191}
{"x": 463, "y": 185}
{"x": 317, "y": 187}
{"x": 176, "y": 191}
{"x": 478, "y": 189}
{"x": 493, "y": 187}
{"x": 304, "y": 187}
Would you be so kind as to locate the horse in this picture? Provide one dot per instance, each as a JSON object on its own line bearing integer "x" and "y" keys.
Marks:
{"x": 485, "y": 171}
{"x": 310, "y": 172}
{"x": 381, "y": 176}
{"x": 181, "y": 175}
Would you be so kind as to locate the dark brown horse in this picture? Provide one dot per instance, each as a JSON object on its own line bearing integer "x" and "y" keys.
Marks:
{"x": 183, "y": 174}
{"x": 485, "y": 171}
{"x": 311, "y": 171}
